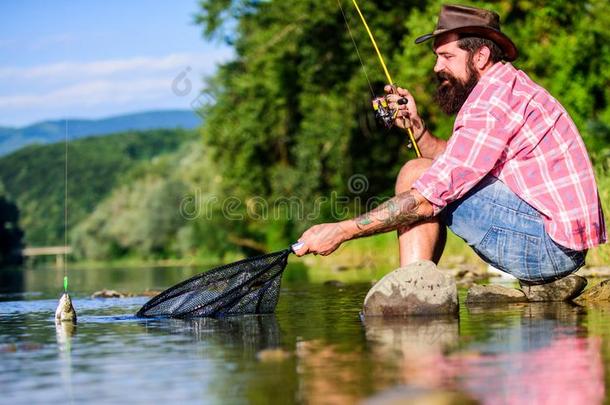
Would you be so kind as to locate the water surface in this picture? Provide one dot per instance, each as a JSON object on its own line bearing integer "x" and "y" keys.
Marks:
{"x": 314, "y": 349}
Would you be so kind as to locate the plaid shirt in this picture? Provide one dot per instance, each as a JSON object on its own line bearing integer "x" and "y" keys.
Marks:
{"x": 513, "y": 129}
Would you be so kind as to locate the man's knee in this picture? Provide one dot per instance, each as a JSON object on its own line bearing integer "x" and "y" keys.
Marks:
{"x": 410, "y": 172}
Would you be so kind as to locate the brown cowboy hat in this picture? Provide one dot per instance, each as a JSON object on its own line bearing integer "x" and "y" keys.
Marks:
{"x": 475, "y": 21}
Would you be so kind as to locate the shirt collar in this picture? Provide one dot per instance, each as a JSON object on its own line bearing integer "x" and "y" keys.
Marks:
{"x": 495, "y": 72}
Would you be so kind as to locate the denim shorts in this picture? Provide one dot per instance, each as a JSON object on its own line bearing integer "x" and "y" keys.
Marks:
{"x": 509, "y": 234}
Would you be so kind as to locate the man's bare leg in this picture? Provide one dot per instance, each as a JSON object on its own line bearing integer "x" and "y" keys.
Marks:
{"x": 425, "y": 240}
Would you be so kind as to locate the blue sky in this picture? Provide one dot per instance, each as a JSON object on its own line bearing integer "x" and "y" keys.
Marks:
{"x": 92, "y": 59}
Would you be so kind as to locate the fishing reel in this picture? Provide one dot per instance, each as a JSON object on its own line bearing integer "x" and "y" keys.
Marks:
{"x": 383, "y": 113}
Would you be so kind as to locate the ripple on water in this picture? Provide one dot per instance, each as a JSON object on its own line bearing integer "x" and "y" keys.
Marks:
{"x": 501, "y": 354}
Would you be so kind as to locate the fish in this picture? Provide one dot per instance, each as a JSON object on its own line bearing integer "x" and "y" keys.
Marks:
{"x": 65, "y": 310}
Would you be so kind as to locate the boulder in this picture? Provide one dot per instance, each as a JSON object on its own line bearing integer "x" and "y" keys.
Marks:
{"x": 494, "y": 294}
{"x": 563, "y": 289}
{"x": 597, "y": 293}
{"x": 417, "y": 289}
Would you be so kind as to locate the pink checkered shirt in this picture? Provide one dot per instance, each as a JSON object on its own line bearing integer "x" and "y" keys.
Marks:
{"x": 513, "y": 129}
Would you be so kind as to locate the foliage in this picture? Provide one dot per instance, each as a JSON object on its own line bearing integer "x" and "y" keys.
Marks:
{"x": 10, "y": 234}
{"x": 34, "y": 177}
{"x": 292, "y": 120}
{"x": 164, "y": 208}
{"x": 292, "y": 116}
{"x": 292, "y": 107}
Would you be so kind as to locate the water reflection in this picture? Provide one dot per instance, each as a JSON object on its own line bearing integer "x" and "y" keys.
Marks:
{"x": 64, "y": 332}
{"x": 250, "y": 333}
{"x": 568, "y": 370}
{"x": 519, "y": 353}
{"x": 542, "y": 355}
{"x": 419, "y": 342}
{"x": 330, "y": 374}
{"x": 419, "y": 346}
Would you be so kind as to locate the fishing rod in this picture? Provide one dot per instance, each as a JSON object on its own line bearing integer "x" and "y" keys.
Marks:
{"x": 382, "y": 111}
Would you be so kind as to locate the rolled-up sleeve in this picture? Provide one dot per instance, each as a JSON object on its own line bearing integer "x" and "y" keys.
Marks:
{"x": 479, "y": 139}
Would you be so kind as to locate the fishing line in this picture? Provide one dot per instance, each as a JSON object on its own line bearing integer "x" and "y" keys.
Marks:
{"x": 383, "y": 65}
{"x": 349, "y": 30}
{"x": 66, "y": 211}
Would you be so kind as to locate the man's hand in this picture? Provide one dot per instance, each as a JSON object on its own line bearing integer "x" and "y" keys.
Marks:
{"x": 404, "y": 209}
{"x": 407, "y": 113}
{"x": 323, "y": 239}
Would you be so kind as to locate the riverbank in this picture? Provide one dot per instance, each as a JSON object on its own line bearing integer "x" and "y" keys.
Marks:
{"x": 378, "y": 253}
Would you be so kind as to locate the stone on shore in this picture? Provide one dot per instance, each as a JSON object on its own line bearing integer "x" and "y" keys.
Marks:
{"x": 563, "y": 289}
{"x": 417, "y": 289}
{"x": 598, "y": 293}
{"x": 107, "y": 294}
{"x": 494, "y": 294}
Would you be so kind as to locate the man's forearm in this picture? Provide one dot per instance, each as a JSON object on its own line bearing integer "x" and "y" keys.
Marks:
{"x": 402, "y": 210}
{"x": 429, "y": 145}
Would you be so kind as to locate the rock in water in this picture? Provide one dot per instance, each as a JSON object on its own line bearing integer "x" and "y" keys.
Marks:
{"x": 272, "y": 355}
{"x": 65, "y": 311}
{"x": 563, "y": 289}
{"x": 494, "y": 294}
{"x": 598, "y": 293}
{"x": 107, "y": 294}
{"x": 417, "y": 289}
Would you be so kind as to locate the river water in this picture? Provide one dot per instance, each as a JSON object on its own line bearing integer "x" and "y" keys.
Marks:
{"x": 314, "y": 349}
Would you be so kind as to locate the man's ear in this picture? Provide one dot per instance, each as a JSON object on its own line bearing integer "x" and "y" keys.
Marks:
{"x": 482, "y": 57}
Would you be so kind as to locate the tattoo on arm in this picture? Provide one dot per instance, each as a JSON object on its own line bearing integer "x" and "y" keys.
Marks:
{"x": 363, "y": 220}
{"x": 398, "y": 211}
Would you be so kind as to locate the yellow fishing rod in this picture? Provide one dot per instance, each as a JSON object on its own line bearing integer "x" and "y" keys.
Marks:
{"x": 387, "y": 74}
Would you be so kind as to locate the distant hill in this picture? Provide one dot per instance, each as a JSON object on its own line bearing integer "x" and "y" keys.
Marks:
{"x": 33, "y": 177}
{"x": 45, "y": 132}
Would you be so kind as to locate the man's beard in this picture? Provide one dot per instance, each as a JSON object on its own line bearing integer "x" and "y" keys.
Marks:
{"x": 451, "y": 95}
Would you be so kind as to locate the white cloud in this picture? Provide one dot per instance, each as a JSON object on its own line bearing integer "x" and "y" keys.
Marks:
{"x": 76, "y": 88}
{"x": 91, "y": 93}
{"x": 109, "y": 67}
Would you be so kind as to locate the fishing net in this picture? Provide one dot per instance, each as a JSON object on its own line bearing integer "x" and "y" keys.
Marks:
{"x": 249, "y": 286}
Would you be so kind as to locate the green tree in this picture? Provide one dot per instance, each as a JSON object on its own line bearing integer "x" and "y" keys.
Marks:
{"x": 164, "y": 208}
{"x": 34, "y": 177}
{"x": 292, "y": 113}
{"x": 292, "y": 116}
{"x": 10, "y": 234}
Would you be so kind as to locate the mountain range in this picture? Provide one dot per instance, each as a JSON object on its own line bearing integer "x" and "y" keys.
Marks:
{"x": 45, "y": 132}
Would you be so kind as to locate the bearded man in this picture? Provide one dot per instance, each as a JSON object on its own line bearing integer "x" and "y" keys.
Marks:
{"x": 514, "y": 180}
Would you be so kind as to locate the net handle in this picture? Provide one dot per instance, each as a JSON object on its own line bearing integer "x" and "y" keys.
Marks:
{"x": 296, "y": 246}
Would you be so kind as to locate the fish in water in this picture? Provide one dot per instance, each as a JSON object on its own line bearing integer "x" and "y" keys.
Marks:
{"x": 65, "y": 311}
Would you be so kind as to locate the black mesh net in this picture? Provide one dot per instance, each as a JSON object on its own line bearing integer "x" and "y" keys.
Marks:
{"x": 249, "y": 286}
